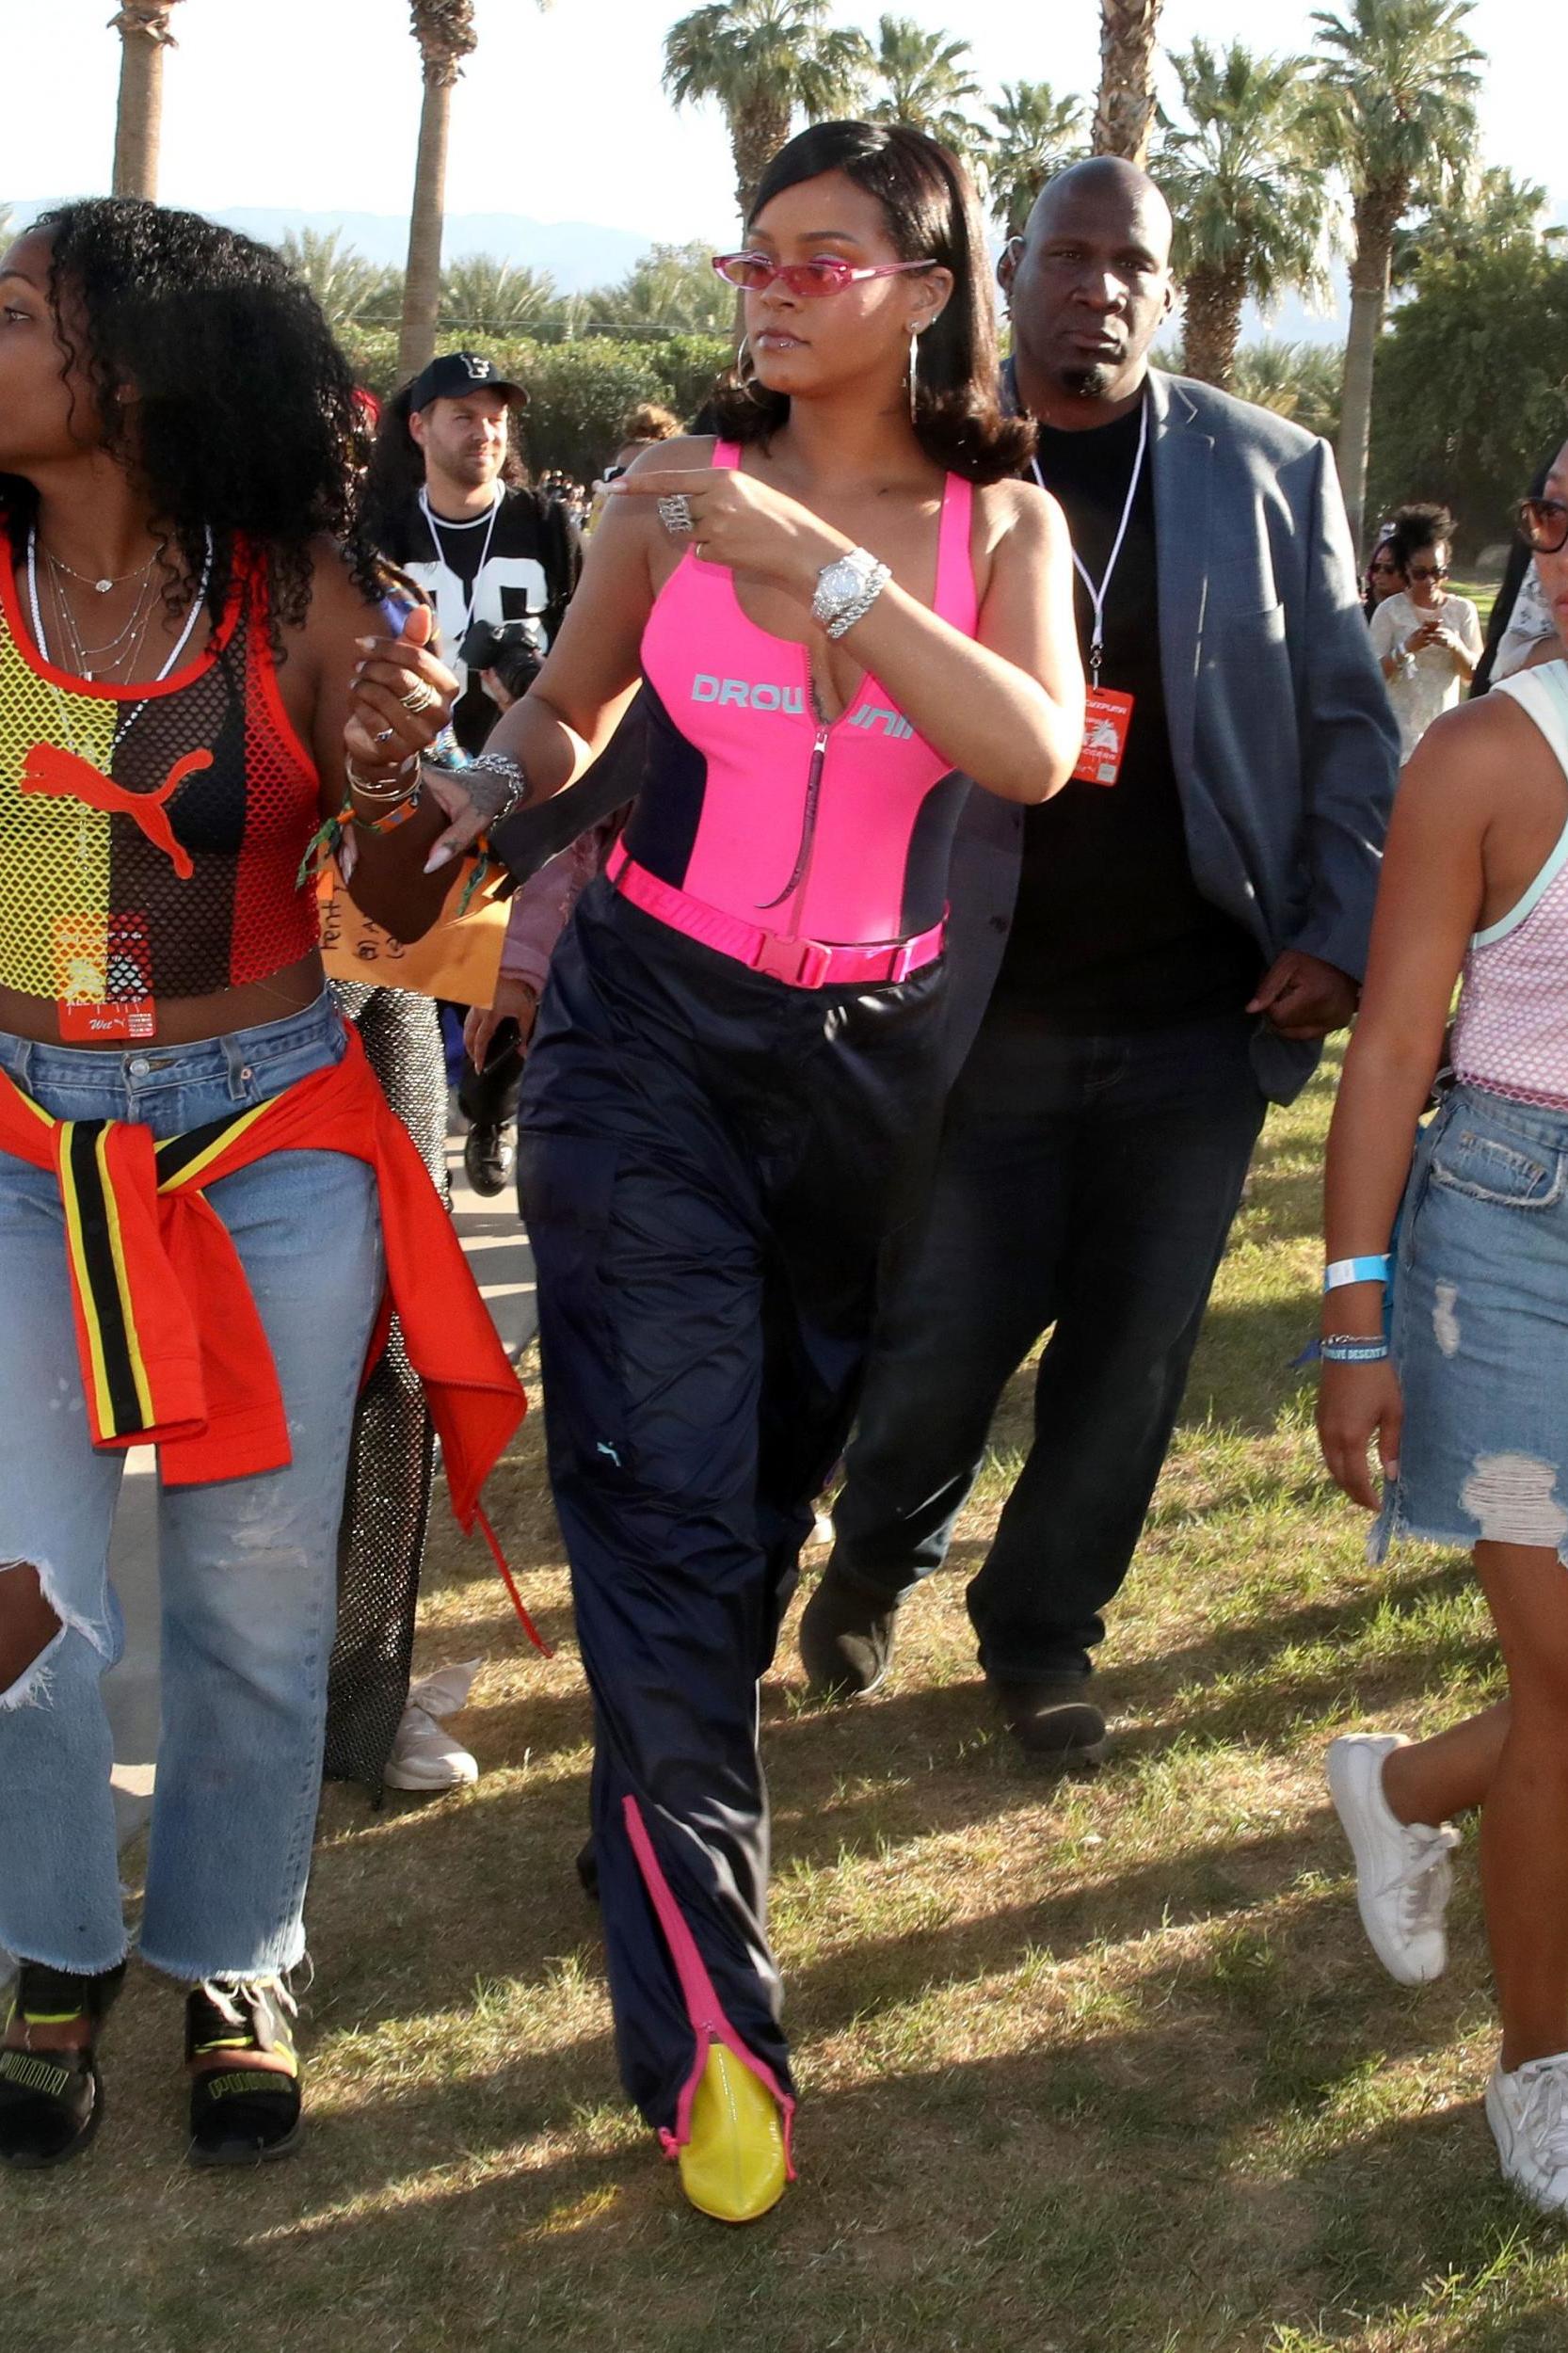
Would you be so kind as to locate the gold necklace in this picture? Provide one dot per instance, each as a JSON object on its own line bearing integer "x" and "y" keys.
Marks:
{"x": 101, "y": 587}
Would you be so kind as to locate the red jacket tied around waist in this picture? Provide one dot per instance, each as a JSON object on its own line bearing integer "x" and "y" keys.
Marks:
{"x": 171, "y": 1346}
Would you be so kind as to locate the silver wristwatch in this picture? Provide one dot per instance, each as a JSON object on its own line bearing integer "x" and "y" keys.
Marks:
{"x": 847, "y": 589}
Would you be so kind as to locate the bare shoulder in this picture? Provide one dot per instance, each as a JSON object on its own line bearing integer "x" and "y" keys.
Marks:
{"x": 337, "y": 598}
{"x": 1481, "y": 762}
{"x": 686, "y": 450}
{"x": 1019, "y": 520}
{"x": 338, "y": 611}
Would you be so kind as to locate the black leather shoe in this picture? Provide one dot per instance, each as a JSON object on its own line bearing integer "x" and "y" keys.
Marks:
{"x": 846, "y": 1637}
{"x": 1054, "y": 1721}
{"x": 491, "y": 1157}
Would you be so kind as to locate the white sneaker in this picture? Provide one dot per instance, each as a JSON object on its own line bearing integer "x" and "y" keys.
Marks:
{"x": 1528, "y": 2112}
{"x": 424, "y": 1755}
{"x": 1403, "y": 1874}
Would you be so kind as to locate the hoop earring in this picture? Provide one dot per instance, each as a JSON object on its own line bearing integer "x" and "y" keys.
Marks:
{"x": 748, "y": 383}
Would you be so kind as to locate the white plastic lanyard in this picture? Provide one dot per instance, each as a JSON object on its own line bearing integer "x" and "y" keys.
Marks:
{"x": 1098, "y": 595}
{"x": 438, "y": 525}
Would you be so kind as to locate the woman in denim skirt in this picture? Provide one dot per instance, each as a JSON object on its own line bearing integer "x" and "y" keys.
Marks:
{"x": 1467, "y": 1397}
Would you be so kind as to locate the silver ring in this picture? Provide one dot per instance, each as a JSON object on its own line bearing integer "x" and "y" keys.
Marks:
{"x": 383, "y": 735}
{"x": 675, "y": 513}
{"x": 423, "y": 696}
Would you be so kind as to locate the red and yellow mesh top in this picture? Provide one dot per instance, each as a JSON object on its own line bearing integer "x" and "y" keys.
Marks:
{"x": 150, "y": 836}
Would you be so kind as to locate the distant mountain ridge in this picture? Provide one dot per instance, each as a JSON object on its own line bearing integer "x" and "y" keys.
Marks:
{"x": 577, "y": 255}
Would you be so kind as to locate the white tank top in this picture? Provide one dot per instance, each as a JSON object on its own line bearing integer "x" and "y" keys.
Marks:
{"x": 1511, "y": 1034}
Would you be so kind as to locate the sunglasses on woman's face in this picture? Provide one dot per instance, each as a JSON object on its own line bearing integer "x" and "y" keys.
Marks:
{"x": 1383, "y": 567}
{"x": 753, "y": 272}
{"x": 1428, "y": 571}
{"x": 1545, "y": 525}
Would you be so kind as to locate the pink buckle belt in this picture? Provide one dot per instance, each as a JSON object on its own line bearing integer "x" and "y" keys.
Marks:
{"x": 799, "y": 963}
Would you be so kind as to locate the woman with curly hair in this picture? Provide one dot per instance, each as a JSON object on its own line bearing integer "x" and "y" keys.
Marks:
{"x": 842, "y": 608}
{"x": 192, "y": 1158}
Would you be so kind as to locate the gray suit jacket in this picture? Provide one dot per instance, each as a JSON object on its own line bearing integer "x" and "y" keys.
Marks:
{"x": 1286, "y": 750}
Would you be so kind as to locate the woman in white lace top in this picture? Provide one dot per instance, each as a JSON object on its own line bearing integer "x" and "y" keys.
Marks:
{"x": 1428, "y": 641}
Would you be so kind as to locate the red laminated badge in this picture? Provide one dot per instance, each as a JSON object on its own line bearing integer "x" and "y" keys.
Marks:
{"x": 1107, "y": 717}
{"x": 85, "y": 1021}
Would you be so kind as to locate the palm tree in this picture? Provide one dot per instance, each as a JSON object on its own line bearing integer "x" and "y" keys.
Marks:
{"x": 1124, "y": 115}
{"x": 1251, "y": 202}
{"x": 1491, "y": 210}
{"x": 349, "y": 288}
{"x": 1297, "y": 380}
{"x": 763, "y": 61}
{"x": 144, "y": 35}
{"x": 1036, "y": 136}
{"x": 445, "y": 34}
{"x": 1398, "y": 82}
{"x": 495, "y": 297}
{"x": 672, "y": 287}
{"x": 927, "y": 83}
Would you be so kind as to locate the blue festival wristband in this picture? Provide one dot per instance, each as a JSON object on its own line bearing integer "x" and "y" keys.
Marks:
{"x": 1350, "y": 1349}
{"x": 1342, "y": 1270}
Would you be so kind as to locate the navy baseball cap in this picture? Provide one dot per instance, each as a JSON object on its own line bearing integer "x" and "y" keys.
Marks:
{"x": 455, "y": 372}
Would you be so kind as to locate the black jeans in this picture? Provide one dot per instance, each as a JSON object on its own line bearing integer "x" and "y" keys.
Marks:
{"x": 1085, "y": 1183}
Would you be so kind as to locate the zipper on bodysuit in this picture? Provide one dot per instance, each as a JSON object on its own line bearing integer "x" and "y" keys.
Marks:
{"x": 809, "y": 822}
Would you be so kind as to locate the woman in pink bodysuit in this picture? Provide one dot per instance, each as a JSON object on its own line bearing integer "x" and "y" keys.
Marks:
{"x": 842, "y": 610}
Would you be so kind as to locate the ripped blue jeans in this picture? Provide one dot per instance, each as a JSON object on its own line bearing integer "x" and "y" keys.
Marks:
{"x": 247, "y": 1566}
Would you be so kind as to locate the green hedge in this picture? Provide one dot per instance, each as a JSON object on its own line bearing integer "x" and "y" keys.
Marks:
{"x": 579, "y": 392}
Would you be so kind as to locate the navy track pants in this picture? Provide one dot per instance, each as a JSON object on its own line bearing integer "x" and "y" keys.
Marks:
{"x": 712, "y": 1164}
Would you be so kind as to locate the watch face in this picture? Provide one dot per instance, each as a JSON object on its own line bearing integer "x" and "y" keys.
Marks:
{"x": 840, "y": 580}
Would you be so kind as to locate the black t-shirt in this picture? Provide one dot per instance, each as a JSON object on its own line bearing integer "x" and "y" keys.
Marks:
{"x": 517, "y": 562}
{"x": 1110, "y": 932}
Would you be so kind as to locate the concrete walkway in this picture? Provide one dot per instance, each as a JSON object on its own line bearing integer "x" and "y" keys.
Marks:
{"x": 499, "y": 1252}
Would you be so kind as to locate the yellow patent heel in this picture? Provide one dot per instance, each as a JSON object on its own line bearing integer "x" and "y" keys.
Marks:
{"x": 734, "y": 2165}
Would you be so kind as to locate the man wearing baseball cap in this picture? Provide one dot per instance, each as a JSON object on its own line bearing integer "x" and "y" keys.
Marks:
{"x": 447, "y": 499}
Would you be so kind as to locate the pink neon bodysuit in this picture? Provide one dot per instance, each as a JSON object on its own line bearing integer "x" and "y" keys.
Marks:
{"x": 830, "y": 831}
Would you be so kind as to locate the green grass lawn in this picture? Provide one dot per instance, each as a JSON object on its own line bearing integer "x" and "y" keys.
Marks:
{"x": 1101, "y": 2066}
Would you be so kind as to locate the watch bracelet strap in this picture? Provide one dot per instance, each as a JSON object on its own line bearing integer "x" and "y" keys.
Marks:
{"x": 857, "y": 610}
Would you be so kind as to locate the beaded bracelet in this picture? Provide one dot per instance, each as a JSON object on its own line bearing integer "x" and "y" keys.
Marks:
{"x": 1352, "y": 1348}
{"x": 329, "y": 843}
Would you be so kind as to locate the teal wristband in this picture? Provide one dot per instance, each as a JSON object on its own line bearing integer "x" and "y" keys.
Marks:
{"x": 1342, "y": 1270}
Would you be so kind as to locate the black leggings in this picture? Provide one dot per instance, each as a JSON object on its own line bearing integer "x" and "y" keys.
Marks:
{"x": 387, "y": 1503}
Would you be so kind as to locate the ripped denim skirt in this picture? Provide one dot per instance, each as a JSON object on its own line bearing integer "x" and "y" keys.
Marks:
{"x": 1480, "y": 1334}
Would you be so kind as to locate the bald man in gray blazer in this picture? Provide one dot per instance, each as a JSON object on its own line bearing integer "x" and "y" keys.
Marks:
{"x": 1137, "y": 969}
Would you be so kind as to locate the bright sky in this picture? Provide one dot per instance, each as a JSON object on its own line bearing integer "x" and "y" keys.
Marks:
{"x": 560, "y": 115}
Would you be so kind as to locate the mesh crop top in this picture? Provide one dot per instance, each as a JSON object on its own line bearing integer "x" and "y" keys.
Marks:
{"x": 834, "y": 831}
{"x": 150, "y": 836}
{"x": 1510, "y": 1034}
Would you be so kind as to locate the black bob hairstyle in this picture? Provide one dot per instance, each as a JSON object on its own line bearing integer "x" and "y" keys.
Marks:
{"x": 932, "y": 214}
{"x": 245, "y": 422}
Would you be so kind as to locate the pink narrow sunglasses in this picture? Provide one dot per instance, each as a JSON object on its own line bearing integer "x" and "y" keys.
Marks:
{"x": 752, "y": 272}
